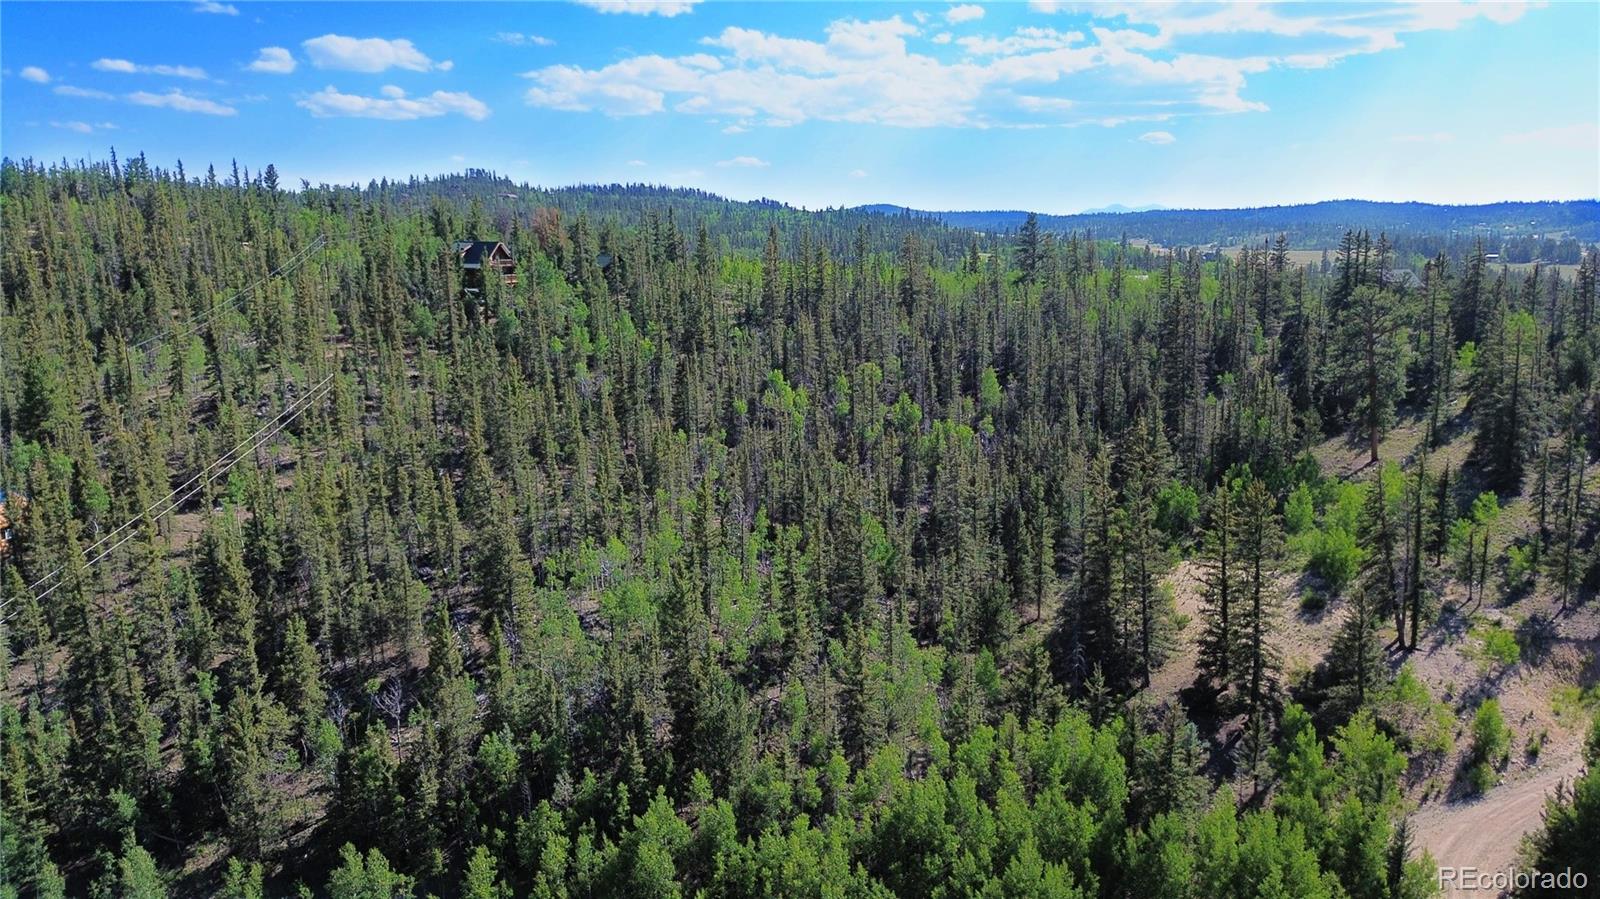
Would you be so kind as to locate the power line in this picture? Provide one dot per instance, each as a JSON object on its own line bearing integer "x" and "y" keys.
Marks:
{"x": 91, "y": 548}
{"x": 200, "y": 320}
{"x": 256, "y": 441}
{"x": 175, "y": 504}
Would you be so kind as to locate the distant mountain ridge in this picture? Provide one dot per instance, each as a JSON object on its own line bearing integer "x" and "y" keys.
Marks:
{"x": 1019, "y": 214}
{"x": 1550, "y": 231}
{"x": 1308, "y": 224}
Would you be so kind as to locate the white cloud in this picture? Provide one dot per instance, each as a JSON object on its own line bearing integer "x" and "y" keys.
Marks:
{"x": 177, "y": 99}
{"x": 35, "y": 74}
{"x": 372, "y": 54}
{"x": 173, "y": 99}
{"x": 84, "y": 127}
{"x": 1352, "y": 29}
{"x": 394, "y": 105}
{"x": 130, "y": 68}
{"x": 1140, "y": 62}
{"x": 858, "y": 173}
{"x": 1023, "y": 39}
{"x": 863, "y": 73}
{"x": 212, "y": 6}
{"x": 637, "y": 163}
{"x": 667, "y": 8}
{"x": 1045, "y": 104}
{"x": 1157, "y": 137}
{"x": 67, "y": 90}
{"x": 743, "y": 162}
{"x": 518, "y": 39}
{"x": 1580, "y": 136}
{"x": 966, "y": 12}
{"x": 273, "y": 61}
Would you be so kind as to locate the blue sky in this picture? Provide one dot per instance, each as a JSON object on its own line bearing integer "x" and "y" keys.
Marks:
{"x": 1053, "y": 106}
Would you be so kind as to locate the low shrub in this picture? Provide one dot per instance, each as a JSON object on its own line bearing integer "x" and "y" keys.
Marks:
{"x": 1491, "y": 747}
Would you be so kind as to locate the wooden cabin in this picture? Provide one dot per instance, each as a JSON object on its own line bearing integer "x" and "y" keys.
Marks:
{"x": 478, "y": 255}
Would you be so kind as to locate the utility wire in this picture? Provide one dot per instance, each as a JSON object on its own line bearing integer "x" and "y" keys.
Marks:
{"x": 257, "y": 440}
{"x": 199, "y": 321}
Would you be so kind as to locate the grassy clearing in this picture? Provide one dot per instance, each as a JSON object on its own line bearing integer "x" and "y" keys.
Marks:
{"x": 1573, "y": 705}
{"x": 1495, "y": 645}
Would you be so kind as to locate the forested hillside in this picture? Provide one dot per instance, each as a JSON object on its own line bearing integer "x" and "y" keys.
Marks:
{"x": 736, "y": 550}
{"x": 1553, "y": 232}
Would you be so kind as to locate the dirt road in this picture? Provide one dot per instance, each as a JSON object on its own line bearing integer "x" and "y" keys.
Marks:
{"x": 1485, "y": 834}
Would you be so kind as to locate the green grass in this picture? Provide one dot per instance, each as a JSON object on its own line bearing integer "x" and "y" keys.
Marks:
{"x": 1572, "y": 705}
{"x": 1496, "y": 645}
{"x": 1424, "y": 725}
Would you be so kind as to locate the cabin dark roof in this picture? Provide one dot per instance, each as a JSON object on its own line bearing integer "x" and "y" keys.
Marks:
{"x": 473, "y": 253}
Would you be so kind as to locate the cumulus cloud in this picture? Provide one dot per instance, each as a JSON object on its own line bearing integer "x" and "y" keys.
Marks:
{"x": 743, "y": 162}
{"x": 1157, "y": 137}
{"x": 966, "y": 12}
{"x": 667, "y": 8}
{"x": 863, "y": 72}
{"x": 858, "y": 173}
{"x": 393, "y": 105}
{"x": 1140, "y": 62}
{"x": 637, "y": 163}
{"x": 182, "y": 102}
{"x": 125, "y": 67}
{"x": 518, "y": 39}
{"x": 372, "y": 54}
{"x": 1020, "y": 41}
{"x": 273, "y": 61}
{"x": 220, "y": 9}
{"x": 35, "y": 74}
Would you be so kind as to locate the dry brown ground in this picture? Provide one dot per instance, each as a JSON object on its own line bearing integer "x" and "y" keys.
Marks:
{"x": 1456, "y": 829}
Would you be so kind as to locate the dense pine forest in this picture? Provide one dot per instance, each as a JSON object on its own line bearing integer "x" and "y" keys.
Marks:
{"x": 734, "y": 550}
